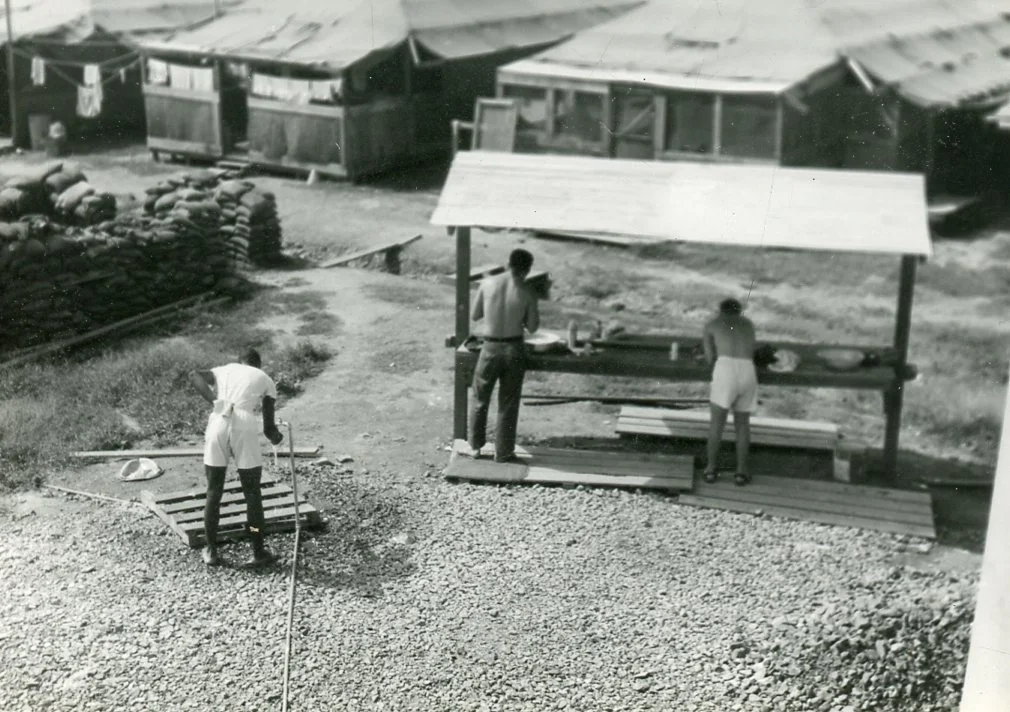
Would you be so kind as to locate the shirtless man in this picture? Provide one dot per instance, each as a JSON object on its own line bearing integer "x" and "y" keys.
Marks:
{"x": 729, "y": 351}
{"x": 505, "y": 304}
{"x": 238, "y": 391}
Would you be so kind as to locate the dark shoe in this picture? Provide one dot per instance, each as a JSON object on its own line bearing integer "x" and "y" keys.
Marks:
{"x": 470, "y": 451}
{"x": 264, "y": 558}
{"x": 742, "y": 478}
{"x": 510, "y": 460}
{"x": 211, "y": 558}
{"x": 710, "y": 476}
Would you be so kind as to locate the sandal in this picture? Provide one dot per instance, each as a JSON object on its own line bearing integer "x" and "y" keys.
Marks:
{"x": 710, "y": 476}
{"x": 741, "y": 478}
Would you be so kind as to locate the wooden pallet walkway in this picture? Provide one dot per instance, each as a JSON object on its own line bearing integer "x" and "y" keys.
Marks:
{"x": 183, "y": 511}
{"x": 860, "y": 506}
{"x": 693, "y": 425}
{"x": 565, "y": 466}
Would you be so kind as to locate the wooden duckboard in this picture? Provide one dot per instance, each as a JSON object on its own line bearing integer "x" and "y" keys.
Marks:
{"x": 564, "y": 466}
{"x": 694, "y": 424}
{"x": 369, "y": 251}
{"x": 183, "y": 511}
{"x": 877, "y": 508}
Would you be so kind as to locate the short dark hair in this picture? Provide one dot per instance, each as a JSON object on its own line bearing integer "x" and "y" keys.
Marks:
{"x": 730, "y": 306}
{"x": 520, "y": 260}
{"x": 251, "y": 357}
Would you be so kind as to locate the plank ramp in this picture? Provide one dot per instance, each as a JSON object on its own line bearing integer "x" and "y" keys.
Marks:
{"x": 858, "y": 506}
{"x": 693, "y": 425}
{"x": 594, "y": 468}
{"x": 395, "y": 245}
{"x": 183, "y": 511}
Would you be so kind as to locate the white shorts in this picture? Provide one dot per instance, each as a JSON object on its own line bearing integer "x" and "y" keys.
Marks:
{"x": 734, "y": 384}
{"x": 229, "y": 438}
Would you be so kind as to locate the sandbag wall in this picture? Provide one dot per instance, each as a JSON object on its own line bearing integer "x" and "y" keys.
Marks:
{"x": 57, "y": 281}
{"x": 250, "y": 223}
{"x": 58, "y": 190}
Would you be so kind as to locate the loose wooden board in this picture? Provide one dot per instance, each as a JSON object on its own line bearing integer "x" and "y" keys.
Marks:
{"x": 579, "y": 467}
{"x": 181, "y": 452}
{"x": 889, "y": 510}
{"x": 367, "y": 252}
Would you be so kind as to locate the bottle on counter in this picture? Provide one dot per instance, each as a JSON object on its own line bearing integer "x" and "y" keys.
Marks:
{"x": 674, "y": 351}
{"x": 573, "y": 334}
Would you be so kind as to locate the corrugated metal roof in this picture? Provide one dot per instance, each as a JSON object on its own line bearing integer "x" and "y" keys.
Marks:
{"x": 728, "y": 204}
{"x": 79, "y": 17}
{"x": 781, "y": 42}
{"x": 960, "y": 66}
{"x": 334, "y": 37}
{"x": 337, "y": 33}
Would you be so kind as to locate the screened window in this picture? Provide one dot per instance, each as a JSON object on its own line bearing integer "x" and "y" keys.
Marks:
{"x": 749, "y": 126}
{"x": 532, "y": 103}
{"x": 578, "y": 115}
{"x": 635, "y": 124}
{"x": 690, "y": 122}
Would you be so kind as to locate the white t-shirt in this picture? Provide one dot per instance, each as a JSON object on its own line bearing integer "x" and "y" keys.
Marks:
{"x": 240, "y": 390}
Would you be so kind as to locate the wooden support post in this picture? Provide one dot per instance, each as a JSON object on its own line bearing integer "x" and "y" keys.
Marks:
{"x": 461, "y": 383}
{"x": 987, "y": 681}
{"x": 893, "y": 397}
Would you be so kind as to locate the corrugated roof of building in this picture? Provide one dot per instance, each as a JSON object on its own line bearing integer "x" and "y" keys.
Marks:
{"x": 337, "y": 33}
{"x": 78, "y": 18}
{"x": 708, "y": 43}
{"x": 834, "y": 210}
{"x": 960, "y": 66}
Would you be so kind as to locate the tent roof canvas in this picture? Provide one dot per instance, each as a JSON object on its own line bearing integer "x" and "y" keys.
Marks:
{"x": 709, "y": 44}
{"x": 338, "y": 33}
{"x": 728, "y": 204}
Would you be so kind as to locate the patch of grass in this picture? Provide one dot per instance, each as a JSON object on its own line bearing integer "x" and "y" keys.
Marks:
{"x": 967, "y": 415}
{"x": 296, "y": 364}
{"x": 402, "y": 358}
{"x": 318, "y": 323}
{"x": 52, "y": 408}
{"x": 957, "y": 280}
{"x": 405, "y": 294}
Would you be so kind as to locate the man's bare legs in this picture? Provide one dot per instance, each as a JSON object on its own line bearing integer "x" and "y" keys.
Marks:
{"x": 255, "y": 522}
{"x": 212, "y": 512}
{"x": 717, "y": 422}
{"x": 741, "y": 423}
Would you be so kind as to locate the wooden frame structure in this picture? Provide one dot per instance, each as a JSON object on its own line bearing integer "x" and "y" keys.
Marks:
{"x": 881, "y": 213}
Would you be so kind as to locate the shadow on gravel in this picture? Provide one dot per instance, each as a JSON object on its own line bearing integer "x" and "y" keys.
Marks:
{"x": 962, "y": 492}
{"x": 367, "y": 542}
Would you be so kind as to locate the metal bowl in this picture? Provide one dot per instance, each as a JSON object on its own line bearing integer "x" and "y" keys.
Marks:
{"x": 842, "y": 359}
{"x": 543, "y": 341}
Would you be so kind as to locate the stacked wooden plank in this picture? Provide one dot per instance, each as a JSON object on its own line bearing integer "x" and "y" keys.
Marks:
{"x": 860, "y": 506}
{"x": 183, "y": 511}
{"x": 694, "y": 425}
{"x": 565, "y": 466}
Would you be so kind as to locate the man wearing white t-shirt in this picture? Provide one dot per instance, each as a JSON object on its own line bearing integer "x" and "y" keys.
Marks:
{"x": 239, "y": 392}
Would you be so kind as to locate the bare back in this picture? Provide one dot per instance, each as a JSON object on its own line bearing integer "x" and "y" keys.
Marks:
{"x": 506, "y": 304}
{"x": 729, "y": 335}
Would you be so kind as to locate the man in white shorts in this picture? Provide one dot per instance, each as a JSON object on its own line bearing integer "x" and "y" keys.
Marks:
{"x": 729, "y": 350}
{"x": 240, "y": 393}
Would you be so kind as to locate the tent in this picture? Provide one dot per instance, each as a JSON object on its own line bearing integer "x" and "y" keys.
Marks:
{"x": 346, "y": 87}
{"x": 75, "y": 61}
{"x": 794, "y": 82}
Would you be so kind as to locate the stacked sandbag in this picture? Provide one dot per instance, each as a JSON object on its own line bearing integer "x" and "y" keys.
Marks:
{"x": 249, "y": 219}
{"x": 58, "y": 190}
{"x": 56, "y": 281}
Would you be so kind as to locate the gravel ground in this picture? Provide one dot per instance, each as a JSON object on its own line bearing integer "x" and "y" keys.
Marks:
{"x": 423, "y": 595}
